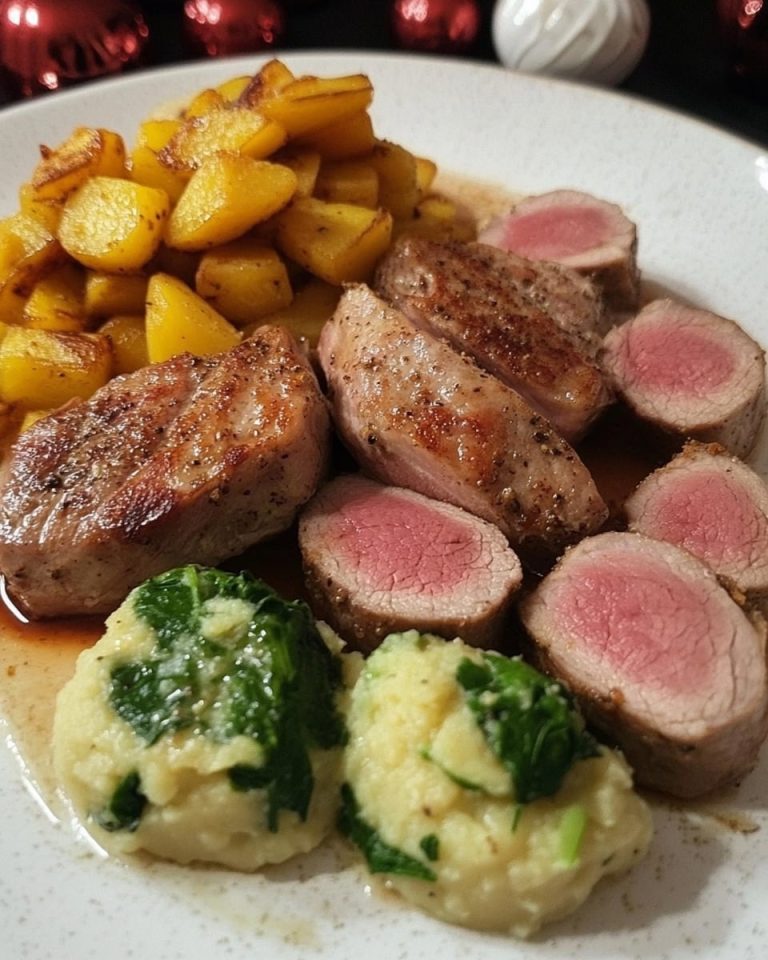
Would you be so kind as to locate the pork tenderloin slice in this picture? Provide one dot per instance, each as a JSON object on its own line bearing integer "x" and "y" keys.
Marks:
{"x": 417, "y": 414}
{"x": 473, "y": 296}
{"x": 189, "y": 460}
{"x": 579, "y": 231}
{"x": 689, "y": 373}
{"x": 659, "y": 656}
{"x": 380, "y": 560}
{"x": 713, "y": 505}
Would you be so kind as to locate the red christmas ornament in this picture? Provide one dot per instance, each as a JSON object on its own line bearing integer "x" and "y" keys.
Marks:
{"x": 47, "y": 44}
{"x": 217, "y": 28}
{"x": 744, "y": 30}
{"x": 439, "y": 26}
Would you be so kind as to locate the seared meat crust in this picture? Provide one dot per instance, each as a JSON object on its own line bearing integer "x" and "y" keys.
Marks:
{"x": 189, "y": 460}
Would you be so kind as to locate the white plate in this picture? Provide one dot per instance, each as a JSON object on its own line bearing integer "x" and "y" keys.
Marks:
{"x": 700, "y": 199}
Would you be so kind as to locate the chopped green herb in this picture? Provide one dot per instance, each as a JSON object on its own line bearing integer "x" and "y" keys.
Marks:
{"x": 381, "y": 857}
{"x": 431, "y": 846}
{"x": 126, "y": 806}
{"x": 528, "y": 720}
{"x": 572, "y": 828}
{"x": 273, "y": 681}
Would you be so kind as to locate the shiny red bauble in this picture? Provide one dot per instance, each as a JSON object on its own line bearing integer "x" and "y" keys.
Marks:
{"x": 744, "y": 29}
{"x": 217, "y": 28}
{"x": 48, "y": 44}
{"x": 438, "y": 26}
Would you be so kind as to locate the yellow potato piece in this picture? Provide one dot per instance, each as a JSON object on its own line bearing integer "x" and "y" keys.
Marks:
{"x": 109, "y": 293}
{"x": 28, "y": 251}
{"x": 225, "y": 197}
{"x": 41, "y": 369}
{"x": 203, "y": 103}
{"x": 309, "y": 103}
{"x": 348, "y": 181}
{"x": 114, "y": 225}
{"x": 398, "y": 178}
{"x": 179, "y": 321}
{"x": 426, "y": 171}
{"x": 305, "y": 315}
{"x": 30, "y": 418}
{"x": 57, "y": 302}
{"x": 232, "y": 129}
{"x": 349, "y": 137}
{"x": 179, "y": 263}
{"x": 243, "y": 280}
{"x": 129, "y": 341}
{"x": 46, "y": 212}
{"x": 273, "y": 77}
{"x": 337, "y": 242}
{"x": 305, "y": 164}
{"x": 231, "y": 90}
{"x": 88, "y": 152}
{"x": 438, "y": 218}
{"x": 145, "y": 165}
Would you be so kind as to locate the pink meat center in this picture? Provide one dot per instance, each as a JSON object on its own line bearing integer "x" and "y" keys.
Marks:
{"x": 557, "y": 232}
{"x": 678, "y": 359}
{"x": 646, "y": 627}
{"x": 406, "y": 546}
{"x": 714, "y": 518}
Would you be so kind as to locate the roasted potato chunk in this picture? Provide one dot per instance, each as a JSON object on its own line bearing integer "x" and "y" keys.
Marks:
{"x": 243, "y": 280}
{"x": 57, "y": 302}
{"x": 398, "y": 178}
{"x": 28, "y": 250}
{"x": 232, "y": 129}
{"x": 348, "y": 181}
{"x": 41, "y": 369}
{"x": 178, "y": 320}
{"x": 129, "y": 341}
{"x": 305, "y": 315}
{"x": 108, "y": 293}
{"x": 225, "y": 197}
{"x": 337, "y": 242}
{"x": 114, "y": 225}
{"x": 145, "y": 165}
{"x": 349, "y": 137}
{"x": 309, "y": 103}
{"x": 89, "y": 152}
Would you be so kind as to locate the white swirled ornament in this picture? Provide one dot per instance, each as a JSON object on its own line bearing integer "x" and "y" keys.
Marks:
{"x": 600, "y": 41}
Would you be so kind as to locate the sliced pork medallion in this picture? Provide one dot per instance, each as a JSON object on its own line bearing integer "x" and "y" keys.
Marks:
{"x": 188, "y": 460}
{"x": 471, "y": 295}
{"x": 579, "y": 231}
{"x": 381, "y": 559}
{"x": 691, "y": 373}
{"x": 659, "y": 656}
{"x": 417, "y": 414}
{"x": 715, "y": 506}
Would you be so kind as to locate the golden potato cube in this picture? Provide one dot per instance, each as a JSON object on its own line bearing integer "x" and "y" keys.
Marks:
{"x": 225, "y": 197}
{"x": 110, "y": 293}
{"x": 30, "y": 418}
{"x": 89, "y": 152}
{"x": 203, "y": 103}
{"x": 179, "y": 263}
{"x": 305, "y": 315}
{"x": 129, "y": 341}
{"x": 232, "y": 90}
{"x": 114, "y": 225}
{"x": 145, "y": 165}
{"x": 438, "y": 218}
{"x": 305, "y": 164}
{"x": 243, "y": 280}
{"x": 57, "y": 301}
{"x": 233, "y": 129}
{"x": 346, "y": 138}
{"x": 313, "y": 102}
{"x": 28, "y": 250}
{"x": 337, "y": 242}
{"x": 47, "y": 212}
{"x": 398, "y": 181}
{"x": 179, "y": 321}
{"x": 348, "y": 181}
{"x": 426, "y": 171}
{"x": 41, "y": 369}
{"x": 268, "y": 82}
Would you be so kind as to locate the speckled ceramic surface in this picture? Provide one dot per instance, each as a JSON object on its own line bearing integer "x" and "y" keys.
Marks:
{"x": 700, "y": 199}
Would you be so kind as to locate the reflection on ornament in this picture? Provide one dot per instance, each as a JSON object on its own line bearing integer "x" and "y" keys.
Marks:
{"x": 744, "y": 30}
{"x": 47, "y": 44}
{"x": 596, "y": 40}
{"x": 439, "y": 26}
{"x": 217, "y": 28}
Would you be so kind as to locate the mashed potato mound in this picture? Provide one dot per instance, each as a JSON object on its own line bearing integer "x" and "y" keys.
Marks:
{"x": 426, "y": 782}
{"x": 175, "y": 796}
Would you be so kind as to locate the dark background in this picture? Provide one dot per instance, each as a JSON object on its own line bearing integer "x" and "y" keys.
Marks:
{"x": 684, "y": 66}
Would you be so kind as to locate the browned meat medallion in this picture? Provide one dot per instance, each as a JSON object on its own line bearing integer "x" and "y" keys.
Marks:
{"x": 660, "y": 657}
{"x": 381, "y": 559}
{"x": 476, "y": 297}
{"x": 689, "y": 373}
{"x": 417, "y": 414}
{"x": 714, "y": 506}
{"x": 579, "y": 231}
{"x": 188, "y": 460}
